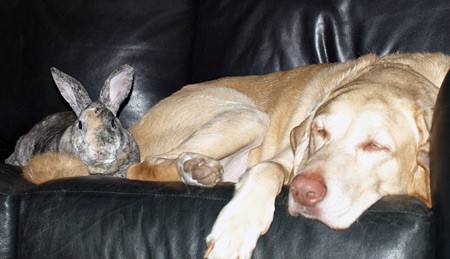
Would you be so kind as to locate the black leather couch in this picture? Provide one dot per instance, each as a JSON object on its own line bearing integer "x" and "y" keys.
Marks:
{"x": 172, "y": 43}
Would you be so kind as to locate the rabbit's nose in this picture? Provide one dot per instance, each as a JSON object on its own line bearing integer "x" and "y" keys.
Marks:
{"x": 98, "y": 154}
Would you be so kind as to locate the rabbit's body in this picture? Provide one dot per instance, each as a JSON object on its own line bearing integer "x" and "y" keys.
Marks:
{"x": 44, "y": 137}
{"x": 92, "y": 133}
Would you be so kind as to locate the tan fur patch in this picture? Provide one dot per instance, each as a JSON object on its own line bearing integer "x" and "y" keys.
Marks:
{"x": 50, "y": 166}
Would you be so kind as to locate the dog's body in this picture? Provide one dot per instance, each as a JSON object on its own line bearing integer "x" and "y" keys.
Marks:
{"x": 343, "y": 135}
{"x": 226, "y": 120}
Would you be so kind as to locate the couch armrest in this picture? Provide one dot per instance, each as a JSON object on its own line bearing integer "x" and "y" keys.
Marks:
{"x": 104, "y": 217}
{"x": 12, "y": 184}
{"x": 440, "y": 165}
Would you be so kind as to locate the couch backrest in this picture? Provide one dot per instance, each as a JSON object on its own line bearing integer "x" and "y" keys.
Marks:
{"x": 174, "y": 42}
{"x": 237, "y": 37}
{"x": 87, "y": 40}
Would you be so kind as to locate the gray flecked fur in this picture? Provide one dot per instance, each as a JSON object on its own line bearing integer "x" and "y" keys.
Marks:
{"x": 92, "y": 133}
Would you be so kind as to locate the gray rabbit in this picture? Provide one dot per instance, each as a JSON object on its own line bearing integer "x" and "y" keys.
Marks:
{"x": 93, "y": 133}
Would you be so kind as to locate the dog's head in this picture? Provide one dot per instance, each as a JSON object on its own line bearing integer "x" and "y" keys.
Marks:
{"x": 366, "y": 140}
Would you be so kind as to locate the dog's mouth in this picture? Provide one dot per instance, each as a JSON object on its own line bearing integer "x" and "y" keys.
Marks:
{"x": 337, "y": 216}
{"x": 296, "y": 210}
{"x": 316, "y": 213}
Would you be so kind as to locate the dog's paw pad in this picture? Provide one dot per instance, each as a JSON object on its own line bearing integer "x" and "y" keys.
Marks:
{"x": 199, "y": 170}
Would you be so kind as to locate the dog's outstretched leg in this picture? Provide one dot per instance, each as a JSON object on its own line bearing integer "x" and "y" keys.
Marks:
{"x": 249, "y": 214}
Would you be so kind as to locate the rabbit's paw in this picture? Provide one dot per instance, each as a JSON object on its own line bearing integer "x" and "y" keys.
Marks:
{"x": 199, "y": 170}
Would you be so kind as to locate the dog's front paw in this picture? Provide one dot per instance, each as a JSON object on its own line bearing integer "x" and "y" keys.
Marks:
{"x": 199, "y": 170}
{"x": 238, "y": 227}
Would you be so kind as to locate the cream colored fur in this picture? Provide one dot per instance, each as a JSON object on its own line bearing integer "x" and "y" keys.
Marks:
{"x": 361, "y": 126}
{"x": 261, "y": 132}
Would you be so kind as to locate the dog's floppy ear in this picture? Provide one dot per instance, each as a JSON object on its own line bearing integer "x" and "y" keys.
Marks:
{"x": 419, "y": 186}
{"x": 300, "y": 140}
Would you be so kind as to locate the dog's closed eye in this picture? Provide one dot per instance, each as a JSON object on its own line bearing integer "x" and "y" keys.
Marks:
{"x": 321, "y": 132}
{"x": 372, "y": 146}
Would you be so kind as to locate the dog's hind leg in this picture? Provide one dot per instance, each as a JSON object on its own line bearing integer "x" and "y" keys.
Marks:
{"x": 218, "y": 150}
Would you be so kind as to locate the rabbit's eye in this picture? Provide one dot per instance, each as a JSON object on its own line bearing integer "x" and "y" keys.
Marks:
{"x": 80, "y": 125}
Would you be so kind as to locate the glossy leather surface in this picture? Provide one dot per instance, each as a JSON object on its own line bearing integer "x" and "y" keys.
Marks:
{"x": 88, "y": 40}
{"x": 256, "y": 37}
{"x": 172, "y": 43}
{"x": 127, "y": 219}
{"x": 440, "y": 164}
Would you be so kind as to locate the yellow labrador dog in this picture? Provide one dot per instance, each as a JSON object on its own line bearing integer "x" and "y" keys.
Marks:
{"x": 342, "y": 135}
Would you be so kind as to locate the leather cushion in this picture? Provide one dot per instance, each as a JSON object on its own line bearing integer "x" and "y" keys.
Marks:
{"x": 131, "y": 219}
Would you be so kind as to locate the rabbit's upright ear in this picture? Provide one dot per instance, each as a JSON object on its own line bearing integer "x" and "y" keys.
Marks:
{"x": 71, "y": 90}
{"x": 117, "y": 87}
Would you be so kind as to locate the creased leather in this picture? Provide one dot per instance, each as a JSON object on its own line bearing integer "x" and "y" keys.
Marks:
{"x": 258, "y": 37}
{"x": 88, "y": 40}
{"x": 440, "y": 162}
{"x": 129, "y": 219}
{"x": 172, "y": 43}
{"x": 12, "y": 185}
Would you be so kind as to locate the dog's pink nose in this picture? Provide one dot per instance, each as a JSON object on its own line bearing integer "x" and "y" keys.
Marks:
{"x": 308, "y": 190}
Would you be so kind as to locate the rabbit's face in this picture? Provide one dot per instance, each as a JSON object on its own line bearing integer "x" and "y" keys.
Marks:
{"x": 97, "y": 135}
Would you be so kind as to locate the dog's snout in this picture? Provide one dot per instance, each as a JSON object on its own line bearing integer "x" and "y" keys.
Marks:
{"x": 308, "y": 190}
